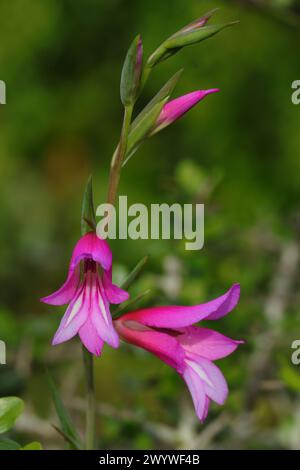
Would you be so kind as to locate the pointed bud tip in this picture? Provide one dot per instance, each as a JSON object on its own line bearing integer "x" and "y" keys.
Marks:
{"x": 212, "y": 90}
{"x": 210, "y": 13}
{"x": 231, "y": 23}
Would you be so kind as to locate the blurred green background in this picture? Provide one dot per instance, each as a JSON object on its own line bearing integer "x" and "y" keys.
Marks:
{"x": 237, "y": 152}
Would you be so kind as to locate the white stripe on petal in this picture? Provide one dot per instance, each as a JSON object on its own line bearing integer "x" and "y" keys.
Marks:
{"x": 102, "y": 305}
{"x": 75, "y": 308}
{"x": 200, "y": 372}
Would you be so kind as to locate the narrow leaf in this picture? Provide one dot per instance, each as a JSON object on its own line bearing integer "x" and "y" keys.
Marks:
{"x": 130, "y": 303}
{"x": 88, "y": 220}
{"x": 163, "y": 93}
{"x": 141, "y": 131}
{"x": 70, "y": 440}
{"x": 67, "y": 426}
{"x": 134, "y": 273}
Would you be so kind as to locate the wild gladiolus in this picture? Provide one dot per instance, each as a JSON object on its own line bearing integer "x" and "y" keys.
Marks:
{"x": 88, "y": 290}
{"x": 170, "y": 334}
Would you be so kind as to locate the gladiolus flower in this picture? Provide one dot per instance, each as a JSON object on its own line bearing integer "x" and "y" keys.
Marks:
{"x": 88, "y": 294}
{"x": 176, "y": 108}
{"x": 170, "y": 334}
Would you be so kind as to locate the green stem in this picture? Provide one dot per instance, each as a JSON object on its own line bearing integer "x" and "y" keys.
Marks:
{"x": 90, "y": 399}
{"x": 118, "y": 156}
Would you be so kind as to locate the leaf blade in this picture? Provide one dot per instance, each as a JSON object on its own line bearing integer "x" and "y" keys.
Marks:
{"x": 10, "y": 409}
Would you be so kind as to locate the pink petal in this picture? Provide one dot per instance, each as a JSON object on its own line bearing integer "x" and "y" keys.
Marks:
{"x": 176, "y": 108}
{"x": 91, "y": 246}
{"x": 206, "y": 408}
{"x": 75, "y": 316}
{"x": 196, "y": 388}
{"x": 101, "y": 317}
{"x": 115, "y": 294}
{"x": 161, "y": 344}
{"x": 207, "y": 343}
{"x": 90, "y": 338}
{"x": 66, "y": 292}
{"x": 213, "y": 381}
{"x": 180, "y": 317}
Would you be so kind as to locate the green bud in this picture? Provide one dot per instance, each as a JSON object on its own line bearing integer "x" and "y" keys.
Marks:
{"x": 132, "y": 72}
{"x": 191, "y": 34}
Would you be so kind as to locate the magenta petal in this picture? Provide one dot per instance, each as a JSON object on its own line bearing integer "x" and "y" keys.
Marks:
{"x": 161, "y": 344}
{"x": 101, "y": 317}
{"x": 180, "y": 317}
{"x": 176, "y": 108}
{"x": 75, "y": 316}
{"x": 115, "y": 294}
{"x": 66, "y": 292}
{"x": 206, "y": 408}
{"x": 196, "y": 388}
{"x": 90, "y": 338}
{"x": 91, "y": 246}
{"x": 214, "y": 383}
{"x": 207, "y": 343}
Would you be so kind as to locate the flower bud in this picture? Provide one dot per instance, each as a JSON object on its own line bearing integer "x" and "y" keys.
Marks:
{"x": 192, "y": 33}
{"x": 132, "y": 72}
{"x": 176, "y": 108}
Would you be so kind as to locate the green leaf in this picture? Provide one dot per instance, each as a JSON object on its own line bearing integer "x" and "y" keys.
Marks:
{"x": 142, "y": 129}
{"x": 144, "y": 122}
{"x": 88, "y": 220}
{"x": 70, "y": 440}
{"x": 132, "y": 72}
{"x": 10, "y": 410}
{"x": 67, "y": 427}
{"x": 134, "y": 273}
{"x": 163, "y": 93}
{"x": 32, "y": 446}
{"x": 130, "y": 303}
{"x": 8, "y": 444}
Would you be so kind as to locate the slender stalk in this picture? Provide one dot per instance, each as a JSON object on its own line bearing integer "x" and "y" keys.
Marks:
{"x": 90, "y": 399}
{"x": 118, "y": 156}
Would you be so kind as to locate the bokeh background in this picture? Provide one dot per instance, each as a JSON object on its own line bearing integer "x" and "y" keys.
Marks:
{"x": 237, "y": 152}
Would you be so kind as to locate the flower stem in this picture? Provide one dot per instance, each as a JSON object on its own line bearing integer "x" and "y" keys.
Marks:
{"x": 90, "y": 399}
{"x": 118, "y": 156}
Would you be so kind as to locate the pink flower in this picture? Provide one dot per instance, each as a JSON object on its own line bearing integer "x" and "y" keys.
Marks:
{"x": 168, "y": 332}
{"x": 88, "y": 294}
{"x": 176, "y": 108}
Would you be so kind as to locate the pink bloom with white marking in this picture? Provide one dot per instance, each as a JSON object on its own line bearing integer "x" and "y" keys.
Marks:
{"x": 88, "y": 290}
{"x": 176, "y": 108}
{"x": 170, "y": 334}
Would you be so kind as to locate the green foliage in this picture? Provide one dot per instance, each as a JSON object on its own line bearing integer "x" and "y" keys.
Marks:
{"x": 8, "y": 444}
{"x": 67, "y": 429}
{"x": 32, "y": 446}
{"x": 88, "y": 219}
{"x": 10, "y": 409}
